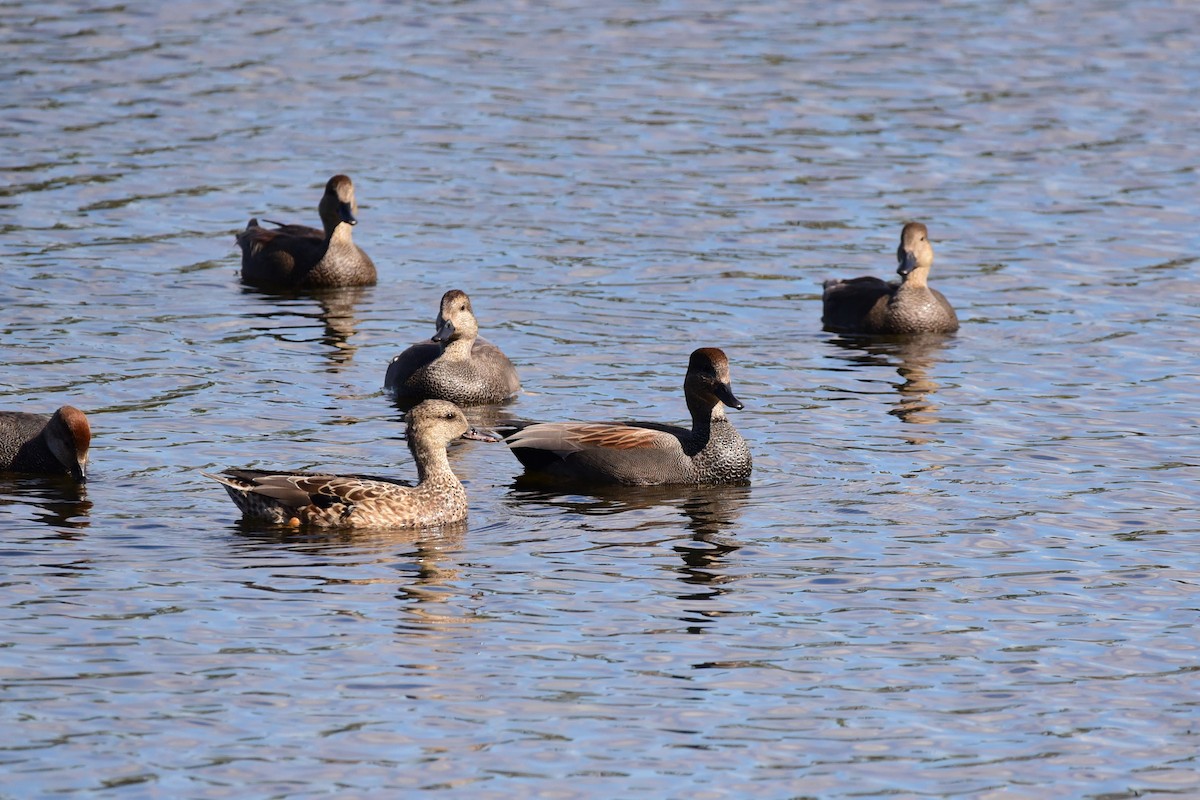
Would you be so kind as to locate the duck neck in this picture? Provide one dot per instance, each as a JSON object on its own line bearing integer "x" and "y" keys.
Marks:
{"x": 705, "y": 418}
{"x": 458, "y": 349}
{"x": 917, "y": 279}
{"x": 338, "y": 236}
{"x": 432, "y": 462}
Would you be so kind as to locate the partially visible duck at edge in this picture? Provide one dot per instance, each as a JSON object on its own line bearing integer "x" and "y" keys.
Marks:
{"x": 297, "y": 256}
{"x": 53, "y": 444}
{"x": 456, "y": 364}
{"x": 647, "y": 453}
{"x": 362, "y": 501}
{"x": 871, "y": 305}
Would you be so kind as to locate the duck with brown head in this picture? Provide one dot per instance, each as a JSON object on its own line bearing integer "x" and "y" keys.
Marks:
{"x": 647, "y": 453}
{"x": 45, "y": 443}
{"x": 297, "y": 256}
{"x": 871, "y": 305}
{"x": 456, "y": 364}
{"x": 362, "y": 501}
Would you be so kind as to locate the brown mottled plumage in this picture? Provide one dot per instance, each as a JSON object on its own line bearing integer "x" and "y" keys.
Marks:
{"x": 871, "y": 305}
{"x": 46, "y": 443}
{"x": 647, "y": 453}
{"x": 297, "y": 256}
{"x": 360, "y": 500}
{"x": 456, "y": 364}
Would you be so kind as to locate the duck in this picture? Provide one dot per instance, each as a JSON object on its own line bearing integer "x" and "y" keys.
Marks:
{"x": 324, "y": 500}
{"x": 456, "y": 364}
{"x": 646, "y": 453}
{"x": 872, "y": 305}
{"x": 297, "y": 256}
{"x": 55, "y": 444}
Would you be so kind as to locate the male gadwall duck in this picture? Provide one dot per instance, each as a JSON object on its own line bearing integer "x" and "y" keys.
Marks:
{"x": 297, "y": 256}
{"x": 323, "y": 500}
{"x": 456, "y": 364}
{"x": 647, "y": 453}
{"x": 871, "y": 305}
{"x": 50, "y": 443}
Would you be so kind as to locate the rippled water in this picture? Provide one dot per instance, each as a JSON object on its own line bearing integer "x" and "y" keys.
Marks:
{"x": 966, "y": 567}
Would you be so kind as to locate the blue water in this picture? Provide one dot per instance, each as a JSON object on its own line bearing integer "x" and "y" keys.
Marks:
{"x": 966, "y": 568}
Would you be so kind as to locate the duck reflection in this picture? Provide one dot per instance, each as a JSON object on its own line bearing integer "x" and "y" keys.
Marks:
{"x": 336, "y": 314}
{"x": 58, "y": 502}
{"x": 259, "y": 535}
{"x": 709, "y": 509}
{"x": 913, "y": 357}
{"x": 710, "y": 514}
{"x": 420, "y": 559}
{"x": 704, "y": 570}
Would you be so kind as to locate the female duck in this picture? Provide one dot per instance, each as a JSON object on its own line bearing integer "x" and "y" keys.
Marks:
{"x": 647, "y": 453}
{"x": 297, "y": 256}
{"x": 292, "y": 498}
{"x": 456, "y": 364}
{"x": 45, "y": 443}
{"x": 871, "y": 305}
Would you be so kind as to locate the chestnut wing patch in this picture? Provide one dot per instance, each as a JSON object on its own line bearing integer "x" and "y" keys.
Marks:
{"x": 565, "y": 438}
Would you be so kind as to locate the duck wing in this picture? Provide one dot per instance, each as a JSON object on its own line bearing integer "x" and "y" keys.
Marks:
{"x": 300, "y": 489}
{"x": 636, "y": 454}
{"x": 296, "y": 230}
{"x": 846, "y": 303}
{"x": 294, "y": 244}
{"x": 403, "y": 366}
{"x": 565, "y": 438}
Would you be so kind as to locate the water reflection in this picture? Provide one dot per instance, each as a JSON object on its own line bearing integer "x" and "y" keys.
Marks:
{"x": 708, "y": 509}
{"x": 913, "y": 357}
{"x": 420, "y": 564}
{"x": 355, "y": 547}
{"x": 259, "y": 537}
{"x": 57, "y": 502}
{"x": 710, "y": 514}
{"x": 702, "y": 558}
{"x": 337, "y": 316}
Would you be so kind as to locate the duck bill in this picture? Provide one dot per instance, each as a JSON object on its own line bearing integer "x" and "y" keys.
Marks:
{"x": 445, "y": 331}
{"x": 908, "y": 262}
{"x": 724, "y": 393}
{"x": 346, "y": 214}
{"x": 480, "y": 436}
{"x": 79, "y": 471}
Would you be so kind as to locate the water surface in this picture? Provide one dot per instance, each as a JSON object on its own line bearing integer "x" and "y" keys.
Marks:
{"x": 966, "y": 566}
